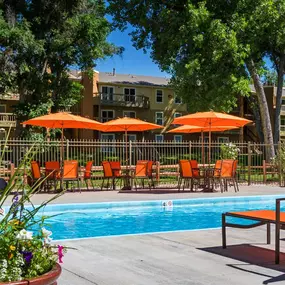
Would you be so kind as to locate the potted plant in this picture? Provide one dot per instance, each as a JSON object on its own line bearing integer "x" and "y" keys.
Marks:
{"x": 27, "y": 255}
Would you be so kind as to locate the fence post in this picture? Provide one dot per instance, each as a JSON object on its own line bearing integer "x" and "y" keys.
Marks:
{"x": 248, "y": 162}
{"x": 130, "y": 154}
{"x": 67, "y": 149}
{"x": 264, "y": 170}
{"x": 190, "y": 150}
{"x": 157, "y": 172}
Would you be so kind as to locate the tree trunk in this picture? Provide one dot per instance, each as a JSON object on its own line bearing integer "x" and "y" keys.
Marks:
{"x": 264, "y": 112}
{"x": 280, "y": 80}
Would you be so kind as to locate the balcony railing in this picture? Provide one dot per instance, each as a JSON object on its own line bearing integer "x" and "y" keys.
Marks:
{"x": 7, "y": 120}
{"x": 9, "y": 97}
{"x": 139, "y": 101}
{"x": 283, "y": 108}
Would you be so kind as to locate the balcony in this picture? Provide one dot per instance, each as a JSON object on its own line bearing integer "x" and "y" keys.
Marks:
{"x": 9, "y": 97}
{"x": 134, "y": 101}
{"x": 7, "y": 120}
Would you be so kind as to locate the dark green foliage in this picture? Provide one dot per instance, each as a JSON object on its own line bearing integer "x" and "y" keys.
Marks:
{"x": 40, "y": 40}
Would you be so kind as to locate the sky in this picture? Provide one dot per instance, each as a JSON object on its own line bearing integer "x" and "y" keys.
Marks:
{"x": 132, "y": 61}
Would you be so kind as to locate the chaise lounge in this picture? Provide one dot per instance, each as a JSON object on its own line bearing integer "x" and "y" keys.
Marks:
{"x": 262, "y": 217}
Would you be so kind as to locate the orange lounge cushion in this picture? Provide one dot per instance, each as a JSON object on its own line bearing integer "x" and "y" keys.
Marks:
{"x": 269, "y": 215}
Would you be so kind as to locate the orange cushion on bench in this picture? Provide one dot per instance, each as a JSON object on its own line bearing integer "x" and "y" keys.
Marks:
{"x": 268, "y": 215}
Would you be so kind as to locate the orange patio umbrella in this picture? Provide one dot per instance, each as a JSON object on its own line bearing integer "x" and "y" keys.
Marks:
{"x": 128, "y": 125}
{"x": 209, "y": 120}
{"x": 63, "y": 120}
{"x": 187, "y": 129}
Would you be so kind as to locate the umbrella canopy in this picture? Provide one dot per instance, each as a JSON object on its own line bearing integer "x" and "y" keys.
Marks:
{"x": 128, "y": 125}
{"x": 186, "y": 129}
{"x": 64, "y": 120}
{"x": 205, "y": 119}
{"x": 211, "y": 119}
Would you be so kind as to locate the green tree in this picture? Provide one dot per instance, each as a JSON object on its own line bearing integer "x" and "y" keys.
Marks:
{"x": 208, "y": 47}
{"x": 40, "y": 40}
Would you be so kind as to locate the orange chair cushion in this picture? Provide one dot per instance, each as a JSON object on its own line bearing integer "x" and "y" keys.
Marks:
{"x": 70, "y": 169}
{"x": 268, "y": 215}
{"x": 36, "y": 172}
{"x": 185, "y": 169}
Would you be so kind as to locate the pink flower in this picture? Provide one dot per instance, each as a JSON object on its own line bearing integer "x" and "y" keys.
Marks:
{"x": 60, "y": 253}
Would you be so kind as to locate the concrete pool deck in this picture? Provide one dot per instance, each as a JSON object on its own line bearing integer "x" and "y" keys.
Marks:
{"x": 176, "y": 258}
{"x": 108, "y": 196}
{"x": 182, "y": 258}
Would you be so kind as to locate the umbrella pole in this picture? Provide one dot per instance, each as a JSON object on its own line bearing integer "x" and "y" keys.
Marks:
{"x": 210, "y": 139}
{"x": 126, "y": 139}
{"x": 61, "y": 161}
{"x": 203, "y": 149}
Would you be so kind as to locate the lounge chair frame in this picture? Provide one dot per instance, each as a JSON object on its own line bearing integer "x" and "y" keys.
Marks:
{"x": 259, "y": 222}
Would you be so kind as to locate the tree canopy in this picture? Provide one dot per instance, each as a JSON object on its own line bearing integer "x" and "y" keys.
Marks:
{"x": 40, "y": 40}
{"x": 212, "y": 48}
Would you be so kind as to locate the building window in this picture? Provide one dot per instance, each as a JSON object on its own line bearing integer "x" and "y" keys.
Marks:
{"x": 107, "y": 115}
{"x": 107, "y": 93}
{"x": 130, "y": 94}
{"x": 130, "y": 114}
{"x": 107, "y": 137}
{"x": 159, "y": 138}
{"x": 159, "y": 96}
{"x": 159, "y": 118}
{"x": 131, "y": 137}
{"x": 178, "y": 138}
{"x": 177, "y": 100}
{"x": 206, "y": 139}
{"x": 223, "y": 139}
{"x": 176, "y": 115}
{"x": 2, "y": 108}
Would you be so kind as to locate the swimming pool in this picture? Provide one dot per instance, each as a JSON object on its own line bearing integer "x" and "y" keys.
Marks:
{"x": 123, "y": 218}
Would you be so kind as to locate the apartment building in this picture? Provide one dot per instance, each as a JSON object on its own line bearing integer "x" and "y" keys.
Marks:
{"x": 110, "y": 95}
{"x": 7, "y": 117}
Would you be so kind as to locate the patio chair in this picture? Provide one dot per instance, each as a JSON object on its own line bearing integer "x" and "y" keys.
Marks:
{"x": 87, "y": 176}
{"x": 70, "y": 173}
{"x": 216, "y": 179}
{"x": 108, "y": 174}
{"x": 52, "y": 169}
{"x": 195, "y": 168}
{"x": 142, "y": 172}
{"x": 261, "y": 217}
{"x": 36, "y": 173}
{"x": 228, "y": 174}
{"x": 185, "y": 174}
{"x": 197, "y": 177}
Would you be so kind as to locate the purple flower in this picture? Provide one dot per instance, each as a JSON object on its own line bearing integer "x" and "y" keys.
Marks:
{"x": 27, "y": 256}
{"x": 15, "y": 199}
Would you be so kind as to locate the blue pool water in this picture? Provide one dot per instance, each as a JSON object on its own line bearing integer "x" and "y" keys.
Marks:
{"x": 108, "y": 219}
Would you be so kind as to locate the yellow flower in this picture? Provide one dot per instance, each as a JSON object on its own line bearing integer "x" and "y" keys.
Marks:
{"x": 15, "y": 222}
{"x": 10, "y": 255}
{"x": 12, "y": 247}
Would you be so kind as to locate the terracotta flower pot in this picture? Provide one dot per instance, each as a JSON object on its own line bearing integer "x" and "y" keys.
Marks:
{"x": 48, "y": 278}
